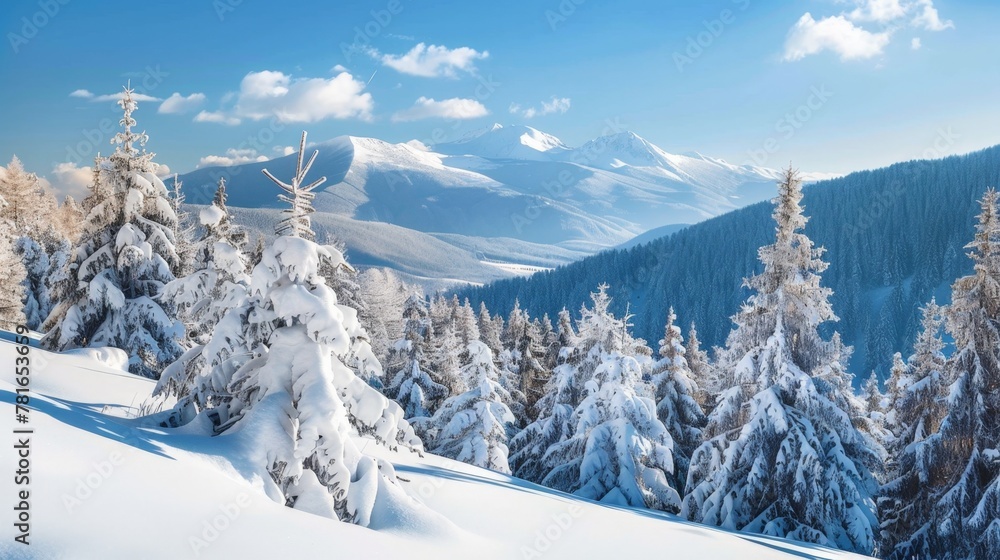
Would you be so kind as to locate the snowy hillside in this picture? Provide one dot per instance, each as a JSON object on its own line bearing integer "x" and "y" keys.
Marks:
{"x": 502, "y": 184}
{"x": 106, "y": 485}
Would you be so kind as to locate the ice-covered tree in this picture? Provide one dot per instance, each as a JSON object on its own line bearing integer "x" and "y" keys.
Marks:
{"x": 489, "y": 332}
{"x": 410, "y": 385}
{"x": 216, "y": 284}
{"x": 68, "y": 218}
{"x": 472, "y": 426}
{"x": 523, "y": 375}
{"x": 783, "y": 457}
{"x": 35, "y": 261}
{"x": 620, "y": 453}
{"x": 294, "y": 390}
{"x": 385, "y": 295}
{"x": 122, "y": 261}
{"x": 955, "y": 511}
{"x": 676, "y": 407}
{"x": 30, "y": 207}
{"x": 600, "y": 335}
{"x": 11, "y": 279}
{"x": 298, "y": 196}
{"x": 702, "y": 371}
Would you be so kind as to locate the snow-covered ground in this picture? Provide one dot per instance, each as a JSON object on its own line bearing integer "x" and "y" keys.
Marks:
{"x": 103, "y": 487}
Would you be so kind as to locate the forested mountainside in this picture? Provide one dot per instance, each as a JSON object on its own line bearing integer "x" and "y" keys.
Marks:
{"x": 894, "y": 237}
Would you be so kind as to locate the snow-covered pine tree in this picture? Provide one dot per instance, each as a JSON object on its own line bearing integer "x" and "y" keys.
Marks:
{"x": 410, "y": 385}
{"x": 522, "y": 374}
{"x": 917, "y": 401}
{"x": 541, "y": 452}
{"x": 216, "y": 284}
{"x": 184, "y": 230}
{"x": 68, "y": 219}
{"x": 11, "y": 278}
{"x": 702, "y": 371}
{"x": 295, "y": 385}
{"x": 488, "y": 331}
{"x": 35, "y": 262}
{"x": 472, "y": 426}
{"x": 618, "y": 451}
{"x": 385, "y": 295}
{"x": 676, "y": 407}
{"x": 956, "y": 504}
{"x": 122, "y": 261}
{"x": 783, "y": 457}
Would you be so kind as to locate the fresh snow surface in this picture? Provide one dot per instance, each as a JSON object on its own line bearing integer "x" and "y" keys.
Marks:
{"x": 102, "y": 487}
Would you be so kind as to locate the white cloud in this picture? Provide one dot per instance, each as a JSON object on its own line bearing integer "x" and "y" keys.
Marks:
{"x": 163, "y": 170}
{"x": 929, "y": 19}
{"x": 433, "y": 61}
{"x": 81, "y": 93}
{"x": 555, "y": 105}
{"x": 275, "y": 94}
{"x": 177, "y": 103}
{"x": 216, "y": 117}
{"x": 836, "y": 34}
{"x": 454, "y": 108}
{"x": 67, "y": 178}
{"x": 844, "y": 34}
{"x": 116, "y": 96}
{"x": 339, "y": 68}
{"x": 881, "y": 11}
{"x": 233, "y": 156}
{"x": 285, "y": 150}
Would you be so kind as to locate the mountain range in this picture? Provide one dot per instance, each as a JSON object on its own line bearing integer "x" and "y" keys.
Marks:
{"x": 503, "y": 201}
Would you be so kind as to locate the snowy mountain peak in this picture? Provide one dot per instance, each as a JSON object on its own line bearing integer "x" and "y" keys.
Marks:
{"x": 505, "y": 142}
{"x": 626, "y": 148}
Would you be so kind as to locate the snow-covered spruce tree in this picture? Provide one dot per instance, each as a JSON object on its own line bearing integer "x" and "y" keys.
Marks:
{"x": 676, "y": 407}
{"x": 917, "y": 401}
{"x": 35, "y": 261}
{"x": 472, "y": 427}
{"x": 598, "y": 376}
{"x": 184, "y": 229}
{"x": 783, "y": 457}
{"x": 618, "y": 451}
{"x": 11, "y": 279}
{"x": 360, "y": 357}
{"x": 382, "y": 318}
{"x": 295, "y": 389}
{"x": 956, "y": 504}
{"x": 123, "y": 259}
{"x": 216, "y": 284}
{"x": 702, "y": 371}
{"x": 410, "y": 385}
{"x": 489, "y": 332}
{"x": 522, "y": 374}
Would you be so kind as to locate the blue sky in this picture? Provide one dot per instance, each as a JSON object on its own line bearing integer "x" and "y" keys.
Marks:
{"x": 831, "y": 85}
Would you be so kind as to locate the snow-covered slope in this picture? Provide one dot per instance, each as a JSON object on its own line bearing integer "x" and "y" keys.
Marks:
{"x": 105, "y": 487}
{"x": 503, "y": 183}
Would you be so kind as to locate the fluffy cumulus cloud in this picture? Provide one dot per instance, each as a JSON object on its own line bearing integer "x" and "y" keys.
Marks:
{"x": 178, "y": 103}
{"x": 850, "y": 35}
{"x": 454, "y": 108}
{"x": 68, "y": 179}
{"x": 81, "y": 93}
{"x": 270, "y": 94}
{"x": 555, "y": 105}
{"x": 836, "y": 34}
{"x": 233, "y": 156}
{"x": 216, "y": 117}
{"x": 433, "y": 61}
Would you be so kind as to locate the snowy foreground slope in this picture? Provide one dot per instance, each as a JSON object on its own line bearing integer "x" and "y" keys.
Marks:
{"x": 104, "y": 488}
